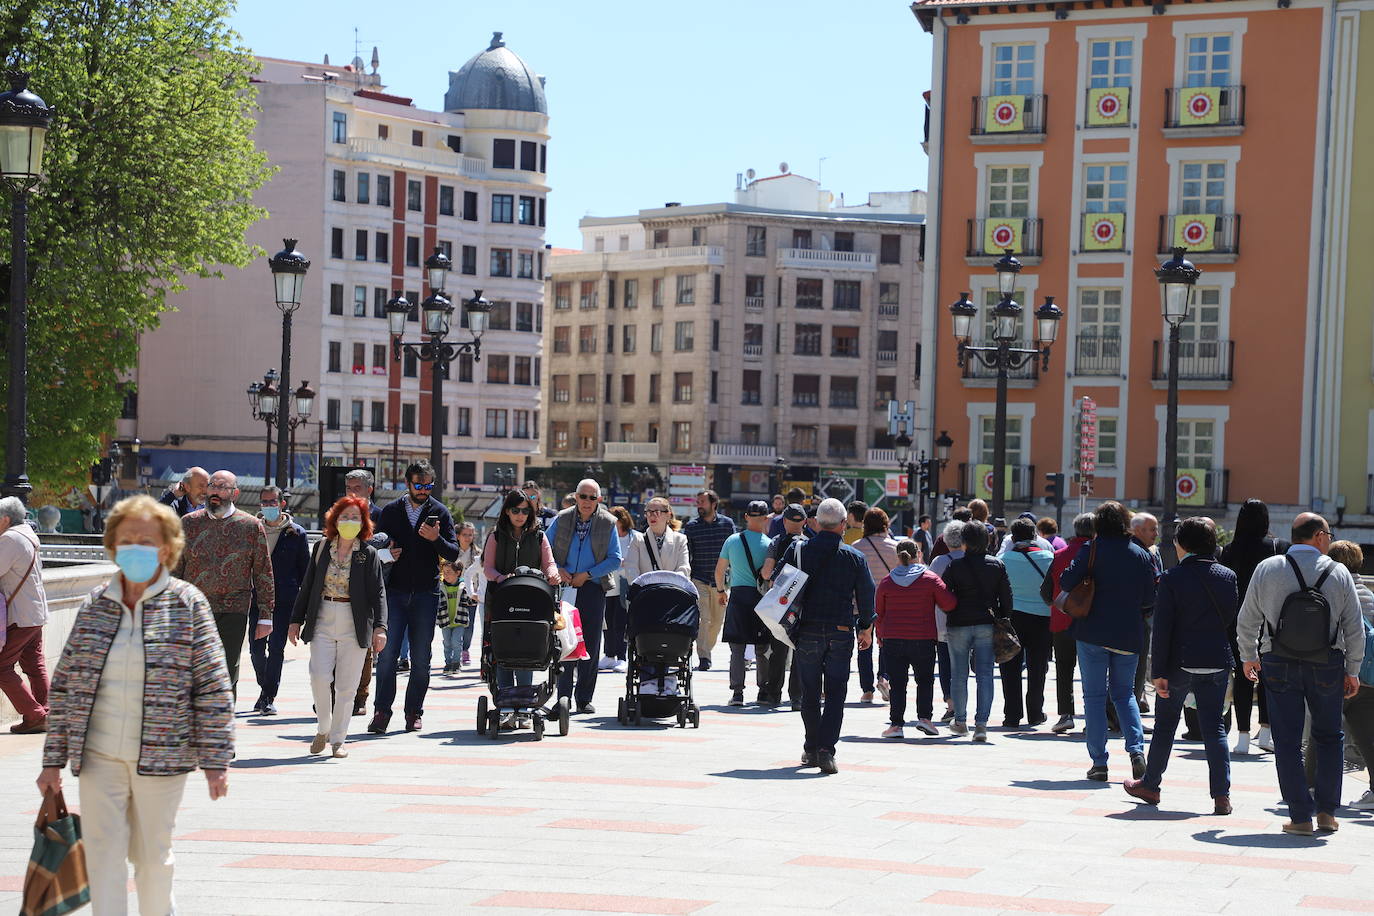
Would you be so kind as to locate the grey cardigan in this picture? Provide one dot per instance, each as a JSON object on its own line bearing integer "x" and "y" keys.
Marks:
{"x": 366, "y": 592}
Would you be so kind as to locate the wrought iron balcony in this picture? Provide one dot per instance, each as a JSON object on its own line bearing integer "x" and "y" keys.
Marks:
{"x": 980, "y": 245}
{"x": 1202, "y": 234}
{"x": 1204, "y": 107}
{"x": 1202, "y": 487}
{"x": 1021, "y": 117}
{"x": 1198, "y": 360}
{"x": 1097, "y": 355}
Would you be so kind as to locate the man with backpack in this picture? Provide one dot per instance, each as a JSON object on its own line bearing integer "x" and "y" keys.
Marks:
{"x": 1303, "y": 612}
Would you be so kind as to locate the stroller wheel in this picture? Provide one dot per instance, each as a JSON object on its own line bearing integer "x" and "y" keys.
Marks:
{"x": 682, "y": 717}
{"x": 696, "y": 717}
{"x": 494, "y": 724}
{"x": 636, "y": 716}
{"x": 481, "y": 715}
{"x": 538, "y": 728}
{"x": 563, "y": 717}
{"x": 620, "y": 710}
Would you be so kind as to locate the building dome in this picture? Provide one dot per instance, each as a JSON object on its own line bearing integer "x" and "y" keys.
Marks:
{"x": 496, "y": 78}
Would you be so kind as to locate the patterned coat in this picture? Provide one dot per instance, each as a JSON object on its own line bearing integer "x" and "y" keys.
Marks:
{"x": 227, "y": 559}
{"x": 187, "y": 712}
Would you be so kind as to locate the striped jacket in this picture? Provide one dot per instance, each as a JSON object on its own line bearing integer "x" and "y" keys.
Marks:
{"x": 187, "y": 711}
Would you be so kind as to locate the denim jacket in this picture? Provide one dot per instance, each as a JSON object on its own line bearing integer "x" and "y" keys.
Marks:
{"x": 839, "y": 589}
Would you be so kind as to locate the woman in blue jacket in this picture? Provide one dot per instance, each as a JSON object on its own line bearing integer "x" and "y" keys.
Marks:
{"x": 1195, "y": 611}
{"x": 1112, "y": 636}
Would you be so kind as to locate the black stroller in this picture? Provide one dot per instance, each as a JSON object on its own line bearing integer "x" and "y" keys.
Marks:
{"x": 661, "y": 628}
{"x": 518, "y": 635}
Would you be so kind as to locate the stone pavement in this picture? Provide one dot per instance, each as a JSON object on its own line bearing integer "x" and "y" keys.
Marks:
{"x": 716, "y": 820}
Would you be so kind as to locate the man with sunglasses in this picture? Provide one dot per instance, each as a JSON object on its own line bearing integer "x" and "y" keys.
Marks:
{"x": 422, "y": 528}
{"x": 587, "y": 551}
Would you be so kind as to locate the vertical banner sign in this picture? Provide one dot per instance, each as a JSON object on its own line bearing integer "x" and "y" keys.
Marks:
{"x": 1001, "y": 233}
{"x": 1195, "y": 231}
{"x": 1087, "y": 443}
{"x": 1103, "y": 231}
{"x": 1199, "y": 106}
{"x": 1109, "y": 106}
{"x": 1004, "y": 114}
{"x": 1191, "y": 487}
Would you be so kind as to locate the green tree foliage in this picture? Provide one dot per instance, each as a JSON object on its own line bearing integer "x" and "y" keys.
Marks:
{"x": 150, "y": 172}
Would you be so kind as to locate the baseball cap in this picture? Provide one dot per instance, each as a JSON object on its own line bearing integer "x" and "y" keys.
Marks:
{"x": 794, "y": 513}
{"x": 756, "y": 507}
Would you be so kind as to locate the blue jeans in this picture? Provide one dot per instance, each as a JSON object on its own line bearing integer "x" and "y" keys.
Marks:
{"x": 822, "y": 658}
{"x": 944, "y": 663}
{"x": 591, "y": 607}
{"x": 978, "y": 640}
{"x": 505, "y": 677}
{"x": 1210, "y": 692}
{"x": 408, "y": 614}
{"x": 1109, "y": 674}
{"x": 1293, "y": 688}
{"x": 267, "y": 652}
{"x": 457, "y": 640}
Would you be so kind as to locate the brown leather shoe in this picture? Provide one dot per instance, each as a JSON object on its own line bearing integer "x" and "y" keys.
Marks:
{"x": 413, "y": 723}
{"x": 1303, "y": 828}
{"x": 1221, "y": 804}
{"x": 1326, "y": 823}
{"x": 1137, "y": 789}
{"x": 378, "y": 724}
{"x": 318, "y": 744}
{"x": 360, "y": 709}
{"x": 30, "y": 726}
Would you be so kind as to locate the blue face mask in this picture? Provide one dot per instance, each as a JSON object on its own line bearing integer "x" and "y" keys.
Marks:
{"x": 138, "y": 562}
{"x": 271, "y": 513}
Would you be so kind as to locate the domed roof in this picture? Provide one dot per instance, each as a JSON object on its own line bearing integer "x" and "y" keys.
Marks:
{"x": 496, "y": 78}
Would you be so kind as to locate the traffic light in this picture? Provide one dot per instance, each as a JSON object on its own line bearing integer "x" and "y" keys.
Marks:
{"x": 1054, "y": 489}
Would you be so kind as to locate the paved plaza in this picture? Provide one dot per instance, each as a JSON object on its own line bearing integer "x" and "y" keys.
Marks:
{"x": 715, "y": 820}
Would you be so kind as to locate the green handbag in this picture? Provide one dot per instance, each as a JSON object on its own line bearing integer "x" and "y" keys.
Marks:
{"x": 56, "y": 881}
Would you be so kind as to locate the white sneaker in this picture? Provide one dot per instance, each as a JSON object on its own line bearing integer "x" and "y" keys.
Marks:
{"x": 1365, "y": 803}
{"x": 894, "y": 731}
{"x": 619, "y": 667}
{"x": 884, "y": 689}
{"x": 1265, "y": 741}
{"x": 606, "y": 664}
{"x": 926, "y": 727}
{"x": 1242, "y": 743}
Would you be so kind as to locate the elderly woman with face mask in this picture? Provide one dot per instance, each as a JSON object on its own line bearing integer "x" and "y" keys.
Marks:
{"x": 140, "y": 698}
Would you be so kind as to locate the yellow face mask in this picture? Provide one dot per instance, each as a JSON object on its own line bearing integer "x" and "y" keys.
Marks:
{"x": 349, "y": 530}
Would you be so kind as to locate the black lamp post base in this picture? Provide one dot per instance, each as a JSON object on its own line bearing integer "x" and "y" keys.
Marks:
{"x": 17, "y": 486}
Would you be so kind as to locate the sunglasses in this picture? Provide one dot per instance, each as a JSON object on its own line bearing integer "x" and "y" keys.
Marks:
{"x": 756, "y": 515}
{"x": 587, "y": 496}
{"x": 655, "y": 511}
{"x": 518, "y": 511}
{"x": 423, "y": 486}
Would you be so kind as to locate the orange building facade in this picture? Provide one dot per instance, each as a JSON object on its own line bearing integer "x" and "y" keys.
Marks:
{"x": 1092, "y": 137}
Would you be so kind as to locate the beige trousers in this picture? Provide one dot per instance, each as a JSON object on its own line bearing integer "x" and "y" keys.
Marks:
{"x": 126, "y": 818}
{"x": 711, "y": 604}
{"x": 335, "y": 659}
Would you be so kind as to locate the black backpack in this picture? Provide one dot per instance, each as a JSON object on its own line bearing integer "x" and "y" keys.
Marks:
{"x": 1304, "y": 626}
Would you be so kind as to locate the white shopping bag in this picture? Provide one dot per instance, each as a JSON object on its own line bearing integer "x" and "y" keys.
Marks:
{"x": 778, "y": 608}
{"x": 572, "y": 647}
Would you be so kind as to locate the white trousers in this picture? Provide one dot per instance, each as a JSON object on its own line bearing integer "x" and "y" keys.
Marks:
{"x": 335, "y": 658}
{"x": 125, "y": 816}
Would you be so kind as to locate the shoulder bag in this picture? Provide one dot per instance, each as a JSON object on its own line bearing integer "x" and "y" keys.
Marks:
{"x": 1006, "y": 645}
{"x": 1078, "y": 602}
{"x": 56, "y": 881}
{"x": 878, "y": 552}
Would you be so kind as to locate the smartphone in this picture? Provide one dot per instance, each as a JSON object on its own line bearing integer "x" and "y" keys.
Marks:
{"x": 432, "y": 520}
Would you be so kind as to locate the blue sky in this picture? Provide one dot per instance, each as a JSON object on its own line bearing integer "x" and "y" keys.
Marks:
{"x": 651, "y": 102}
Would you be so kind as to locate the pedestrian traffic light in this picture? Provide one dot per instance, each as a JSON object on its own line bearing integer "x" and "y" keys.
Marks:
{"x": 1054, "y": 489}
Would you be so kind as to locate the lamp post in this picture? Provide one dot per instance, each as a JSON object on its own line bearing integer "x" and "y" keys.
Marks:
{"x": 265, "y": 399}
{"x": 902, "y": 446}
{"x": 1177, "y": 277}
{"x": 288, "y": 268}
{"x": 24, "y": 122}
{"x": 1003, "y": 357}
{"x": 505, "y": 478}
{"x": 937, "y": 464}
{"x": 304, "y": 396}
{"x": 437, "y": 314}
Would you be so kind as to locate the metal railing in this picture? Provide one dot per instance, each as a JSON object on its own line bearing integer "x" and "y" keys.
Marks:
{"x": 889, "y": 311}
{"x": 752, "y": 350}
{"x": 1097, "y": 355}
{"x": 1215, "y": 483}
{"x": 1198, "y": 360}
{"x": 974, "y": 368}
{"x": 753, "y": 303}
{"x": 1225, "y": 234}
{"x": 1032, "y": 229}
{"x": 1032, "y": 116}
{"x": 1230, "y": 107}
{"x": 1022, "y": 487}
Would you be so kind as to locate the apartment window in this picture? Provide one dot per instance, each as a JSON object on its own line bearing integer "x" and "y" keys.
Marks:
{"x": 464, "y": 421}
{"x": 500, "y": 262}
{"x": 379, "y": 298}
{"x": 890, "y": 249}
{"x": 1107, "y": 442}
{"x": 1099, "y": 324}
{"x": 379, "y": 359}
{"x": 682, "y": 436}
{"x": 806, "y": 390}
{"x": 464, "y": 367}
{"x": 1013, "y": 69}
{"x": 627, "y": 389}
{"x": 445, "y": 248}
{"x": 336, "y": 243}
{"x": 1202, "y": 188}
{"x": 498, "y": 319}
{"x": 1196, "y": 443}
{"x": 1208, "y": 62}
{"x": 627, "y": 338}
{"x": 753, "y": 340}
{"x": 410, "y": 366}
{"x": 336, "y": 298}
{"x": 496, "y": 423}
{"x": 844, "y": 341}
{"x": 890, "y": 294}
{"x": 541, "y": 222}
{"x": 1110, "y": 62}
{"x": 360, "y": 302}
{"x": 503, "y": 154}
{"x": 1200, "y": 332}
{"x": 561, "y": 337}
{"x": 653, "y": 392}
{"x": 498, "y": 370}
{"x": 520, "y": 426}
{"x": 844, "y": 241}
{"x": 524, "y": 316}
{"x": 383, "y": 190}
{"x": 809, "y": 293}
{"x": 586, "y": 435}
{"x": 364, "y": 191}
{"x": 660, "y": 238}
{"x": 586, "y": 338}
{"x": 887, "y": 345}
{"x": 381, "y": 247}
{"x": 470, "y": 206}
{"x": 756, "y": 241}
{"x": 805, "y": 440}
{"x": 340, "y": 179}
{"x": 408, "y": 418}
{"x": 502, "y": 208}
{"x": 1009, "y": 191}
{"x": 378, "y": 424}
{"x": 610, "y": 338}
{"x": 631, "y": 294}
{"x": 562, "y": 296}
{"x": 562, "y": 394}
{"x": 412, "y": 195}
{"x": 340, "y": 133}
{"x": 627, "y": 432}
{"x": 586, "y": 294}
{"x": 842, "y": 441}
{"x": 844, "y": 391}
{"x": 1104, "y": 187}
{"x": 356, "y": 415}
{"x": 684, "y": 336}
{"x": 801, "y": 238}
{"x": 884, "y": 390}
{"x": 656, "y": 337}
{"x": 753, "y": 290}
{"x": 446, "y": 200}
{"x": 335, "y": 356}
{"x": 523, "y": 367}
{"x": 686, "y": 286}
{"x": 360, "y": 244}
{"x": 847, "y": 293}
{"x": 331, "y": 413}
{"x": 524, "y": 265}
{"x": 698, "y": 236}
{"x": 987, "y": 437}
{"x": 657, "y": 287}
{"x": 558, "y": 432}
{"x": 807, "y": 340}
{"x": 529, "y": 156}
{"x": 412, "y": 251}
{"x": 586, "y": 388}
{"x": 682, "y": 387}
{"x": 751, "y": 387}
{"x": 527, "y": 211}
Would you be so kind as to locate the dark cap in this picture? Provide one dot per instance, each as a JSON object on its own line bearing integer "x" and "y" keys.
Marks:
{"x": 756, "y": 507}
{"x": 1029, "y": 515}
{"x": 794, "y": 513}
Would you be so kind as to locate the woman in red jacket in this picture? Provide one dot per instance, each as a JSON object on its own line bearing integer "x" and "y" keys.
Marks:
{"x": 905, "y": 604}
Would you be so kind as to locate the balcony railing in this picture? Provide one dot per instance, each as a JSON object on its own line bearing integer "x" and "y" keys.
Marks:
{"x": 973, "y": 368}
{"x": 984, "y": 234}
{"x": 753, "y": 303}
{"x": 1200, "y": 233}
{"x": 806, "y": 399}
{"x": 753, "y": 351}
{"x": 847, "y": 400}
{"x": 882, "y": 457}
{"x": 751, "y": 397}
{"x": 820, "y": 259}
{"x": 1204, "y": 107}
{"x": 1098, "y": 355}
{"x": 1198, "y": 360}
{"x": 1210, "y": 487}
{"x": 1008, "y": 115}
{"x": 1022, "y": 487}
{"x": 739, "y": 452}
{"x": 842, "y": 451}
{"x": 889, "y": 311}
{"x": 630, "y": 451}
{"x": 887, "y": 356}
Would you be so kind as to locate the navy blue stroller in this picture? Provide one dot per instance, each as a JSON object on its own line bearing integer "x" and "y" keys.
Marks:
{"x": 660, "y": 631}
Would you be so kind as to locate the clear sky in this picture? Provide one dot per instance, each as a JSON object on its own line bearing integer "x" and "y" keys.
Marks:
{"x": 652, "y": 102}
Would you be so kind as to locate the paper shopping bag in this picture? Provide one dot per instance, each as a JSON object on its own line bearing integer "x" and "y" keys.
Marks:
{"x": 573, "y": 648}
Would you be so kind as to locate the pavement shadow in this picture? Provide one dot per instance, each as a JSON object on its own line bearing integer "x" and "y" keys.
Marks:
{"x": 777, "y": 773}
{"x": 1151, "y": 813}
{"x": 1260, "y": 840}
{"x": 258, "y": 763}
{"x": 1042, "y": 736}
{"x": 910, "y": 739}
{"x": 1059, "y": 785}
{"x": 277, "y": 720}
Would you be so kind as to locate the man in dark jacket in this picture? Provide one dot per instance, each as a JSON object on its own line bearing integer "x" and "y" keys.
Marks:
{"x": 1065, "y": 646}
{"x": 836, "y": 602}
{"x": 188, "y": 494}
{"x": 980, "y": 583}
{"x": 286, "y": 542}
{"x": 422, "y": 528}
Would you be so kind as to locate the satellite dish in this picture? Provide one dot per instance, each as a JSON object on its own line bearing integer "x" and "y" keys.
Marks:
{"x": 750, "y": 174}
{"x": 782, "y": 167}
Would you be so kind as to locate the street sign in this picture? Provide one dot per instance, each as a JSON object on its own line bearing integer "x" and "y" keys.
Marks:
{"x": 1087, "y": 436}
{"x": 899, "y": 414}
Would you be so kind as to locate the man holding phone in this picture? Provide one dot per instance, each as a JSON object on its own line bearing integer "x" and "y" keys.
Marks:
{"x": 421, "y": 527}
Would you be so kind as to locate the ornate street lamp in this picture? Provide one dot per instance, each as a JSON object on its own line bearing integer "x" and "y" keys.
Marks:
{"x": 264, "y": 399}
{"x": 24, "y": 122}
{"x": 288, "y": 268}
{"x": 1177, "y": 277}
